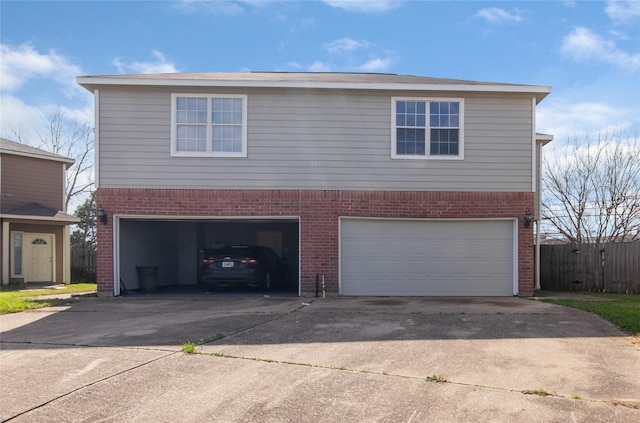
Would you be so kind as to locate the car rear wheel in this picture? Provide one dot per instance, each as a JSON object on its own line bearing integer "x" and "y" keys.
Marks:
{"x": 267, "y": 281}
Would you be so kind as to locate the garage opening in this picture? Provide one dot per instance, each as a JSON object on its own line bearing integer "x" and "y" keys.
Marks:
{"x": 387, "y": 257}
{"x": 167, "y": 254}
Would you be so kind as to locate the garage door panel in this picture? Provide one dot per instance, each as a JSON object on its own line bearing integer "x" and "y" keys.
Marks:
{"x": 406, "y": 257}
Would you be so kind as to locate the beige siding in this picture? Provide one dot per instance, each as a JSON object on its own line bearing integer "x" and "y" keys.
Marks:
{"x": 313, "y": 139}
{"x": 27, "y": 180}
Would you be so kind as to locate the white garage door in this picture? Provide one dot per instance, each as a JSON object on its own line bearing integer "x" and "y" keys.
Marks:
{"x": 430, "y": 258}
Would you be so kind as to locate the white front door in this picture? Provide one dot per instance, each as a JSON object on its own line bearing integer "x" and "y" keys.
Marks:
{"x": 39, "y": 257}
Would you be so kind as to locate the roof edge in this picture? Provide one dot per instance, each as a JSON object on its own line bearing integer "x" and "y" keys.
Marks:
{"x": 91, "y": 82}
{"x": 60, "y": 217}
{"x": 33, "y": 152}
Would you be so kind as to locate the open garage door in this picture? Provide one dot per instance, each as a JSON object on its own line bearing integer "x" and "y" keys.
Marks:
{"x": 171, "y": 247}
{"x": 427, "y": 257}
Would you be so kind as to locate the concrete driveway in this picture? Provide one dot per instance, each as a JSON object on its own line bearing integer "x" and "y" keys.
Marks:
{"x": 316, "y": 360}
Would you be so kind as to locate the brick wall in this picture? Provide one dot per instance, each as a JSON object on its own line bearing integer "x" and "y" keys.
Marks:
{"x": 319, "y": 211}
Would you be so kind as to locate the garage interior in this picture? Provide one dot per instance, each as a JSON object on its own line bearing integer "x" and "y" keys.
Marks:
{"x": 174, "y": 248}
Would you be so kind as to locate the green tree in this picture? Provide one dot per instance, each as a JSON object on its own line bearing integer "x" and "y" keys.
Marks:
{"x": 83, "y": 241}
{"x": 84, "y": 233}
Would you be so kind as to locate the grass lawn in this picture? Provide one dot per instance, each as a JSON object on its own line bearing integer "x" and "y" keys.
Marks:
{"x": 15, "y": 298}
{"x": 623, "y": 310}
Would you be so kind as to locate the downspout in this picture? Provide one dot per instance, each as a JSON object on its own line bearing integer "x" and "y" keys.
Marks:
{"x": 537, "y": 262}
{"x": 536, "y": 153}
{"x": 541, "y": 141}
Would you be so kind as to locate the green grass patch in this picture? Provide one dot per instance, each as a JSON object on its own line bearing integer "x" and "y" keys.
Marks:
{"x": 17, "y": 298}
{"x": 623, "y": 310}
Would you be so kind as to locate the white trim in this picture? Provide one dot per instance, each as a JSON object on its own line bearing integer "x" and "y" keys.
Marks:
{"x": 67, "y": 220}
{"x": 537, "y": 257}
{"x": 116, "y": 237}
{"x": 37, "y": 156}
{"x": 12, "y": 251}
{"x": 514, "y": 272}
{"x": 64, "y": 188}
{"x": 209, "y": 126}
{"x": 88, "y": 81}
{"x": 534, "y": 144}
{"x": 207, "y": 218}
{"x": 516, "y": 275}
{"x": 66, "y": 254}
{"x": 96, "y": 139}
{"x": 6, "y": 242}
{"x": 427, "y": 146}
{"x": 115, "y": 227}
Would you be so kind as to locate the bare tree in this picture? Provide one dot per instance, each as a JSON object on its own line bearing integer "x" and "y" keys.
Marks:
{"x": 70, "y": 139}
{"x": 591, "y": 190}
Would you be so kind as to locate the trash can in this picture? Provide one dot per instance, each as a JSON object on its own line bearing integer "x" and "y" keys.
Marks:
{"x": 147, "y": 277}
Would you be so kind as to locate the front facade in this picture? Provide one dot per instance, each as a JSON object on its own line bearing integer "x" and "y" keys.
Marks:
{"x": 369, "y": 184}
{"x": 34, "y": 225}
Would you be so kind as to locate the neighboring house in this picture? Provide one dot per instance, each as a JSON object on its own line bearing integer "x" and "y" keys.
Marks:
{"x": 34, "y": 225}
{"x": 376, "y": 184}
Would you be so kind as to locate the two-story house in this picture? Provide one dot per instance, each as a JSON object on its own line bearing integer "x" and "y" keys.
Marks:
{"x": 376, "y": 184}
{"x": 34, "y": 225}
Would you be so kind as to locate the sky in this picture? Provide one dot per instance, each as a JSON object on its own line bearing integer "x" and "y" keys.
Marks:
{"x": 587, "y": 51}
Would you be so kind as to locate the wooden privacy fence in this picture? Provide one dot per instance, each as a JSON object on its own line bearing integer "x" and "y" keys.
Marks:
{"x": 609, "y": 267}
{"x": 83, "y": 265}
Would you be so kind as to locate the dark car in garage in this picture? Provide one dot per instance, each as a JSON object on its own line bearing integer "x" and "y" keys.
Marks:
{"x": 238, "y": 265}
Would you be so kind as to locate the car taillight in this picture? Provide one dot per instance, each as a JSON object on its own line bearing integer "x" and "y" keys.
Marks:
{"x": 249, "y": 261}
{"x": 208, "y": 261}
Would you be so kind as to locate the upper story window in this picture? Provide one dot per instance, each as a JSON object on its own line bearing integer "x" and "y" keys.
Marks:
{"x": 425, "y": 128}
{"x": 209, "y": 125}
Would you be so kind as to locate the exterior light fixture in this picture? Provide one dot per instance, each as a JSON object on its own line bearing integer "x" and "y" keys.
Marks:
{"x": 101, "y": 215}
{"x": 528, "y": 218}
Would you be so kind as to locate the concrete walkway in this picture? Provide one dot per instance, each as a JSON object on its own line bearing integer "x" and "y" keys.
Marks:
{"x": 316, "y": 360}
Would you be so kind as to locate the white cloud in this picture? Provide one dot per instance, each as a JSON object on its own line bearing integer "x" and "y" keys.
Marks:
{"x": 318, "y": 66}
{"x": 17, "y": 117}
{"x": 376, "y": 65}
{"x": 623, "y": 11}
{"x": 160, "y": 65}
{"x": 19, "y": 64}
{"x": 344, "y": 45}
{"x": 364, "y": 6}
{"x": 34, "y": 85}
{"x": 497, "y": 15}
{"x": 564, "y": 120}
{"x": 583, "y": 45}
{"x": 20, "y": 117}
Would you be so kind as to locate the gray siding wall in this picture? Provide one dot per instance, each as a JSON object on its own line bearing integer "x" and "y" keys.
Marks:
{"x": 314, "y": 139}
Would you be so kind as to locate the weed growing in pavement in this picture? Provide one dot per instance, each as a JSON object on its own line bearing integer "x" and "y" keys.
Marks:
{"x": 189, "y": 348}
{"x": 575, "y": 397}
{"x": 539, "y": 392}
{"x": 436, "y": 378}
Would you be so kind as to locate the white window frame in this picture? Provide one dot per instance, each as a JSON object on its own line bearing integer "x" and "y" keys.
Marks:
{"x": 427, "y": 155}
{"x": 209, "y": 152}
{"x": 13, "y": 257}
